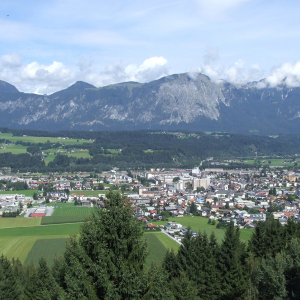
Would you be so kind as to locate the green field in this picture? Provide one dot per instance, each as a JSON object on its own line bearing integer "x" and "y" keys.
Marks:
{"x": 14, "y": 149}
{"x": 158, "y": 243}
{"x": 17, "y": 242}
{"x": 80, "y": 153}
{"x": 49, "y": 158}
{"x": 27, "y": 193}
{"x": 36, "y": 139}
{"x": 19, "y": 222}
{"x": 200, "y": 223}
{"x": 63, "y": 219}
{"x": 72, "y": 211}
{"x": 47, "y": 248}
{"x": 278, "y": 162}
{"x": 47, "y": 230}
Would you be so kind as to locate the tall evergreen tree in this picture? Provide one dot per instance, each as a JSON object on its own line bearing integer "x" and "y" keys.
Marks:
{"x": 233, "y": 283}
{"x": 292, "y": 274}
{"x": 108, "y": 260}
{"x": 256, "y": 244}
{"x": 170, "y": 264}
{"x": 9, "y": 285}
{"x": 271, "y": 278}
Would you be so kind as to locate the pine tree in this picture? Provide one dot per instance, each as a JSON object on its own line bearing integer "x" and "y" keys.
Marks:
{"x": 9, "y": 285}
{"x": 108, "y": 260}
{"x": 292, "y": 273}
{"x": 170, "y": 264}
{"x": 41, "y": 284}
{"x": 271, "y": 278}
{"x": 183, "y": 288}
{"x": 157, "y": 285}
{"x": 233, "y": 282}
{"x": 256, "y": 244}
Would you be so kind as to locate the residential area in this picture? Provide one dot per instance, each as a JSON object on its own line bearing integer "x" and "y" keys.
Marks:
{"x": 241, "y": 196}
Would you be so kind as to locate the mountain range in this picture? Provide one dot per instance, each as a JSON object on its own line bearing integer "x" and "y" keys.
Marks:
{"x": 176, "y": 102}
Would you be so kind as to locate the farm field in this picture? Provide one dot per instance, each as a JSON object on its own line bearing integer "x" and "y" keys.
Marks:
{"x": 27, "y": 193}
{"x": 157, "y": 243}
{"x": 36, "y": 139}
{"x": 166, "y": 241}
{"x": 49, "y": 158}
{"x": 14, "y": 149}
{"x": 274, "y": 162}
{"x": 80, "y": 153}
{"x": 72, "y": 211}
{"x": 47, "y": 248}
{"x": 17, "y": 242}
{"x": 157, "y": 249}
{"x": 63, "y": 219}
{"x": 19, "y": 222}
{"x": 19, "y": 246}
{"x": 47, "y": 230}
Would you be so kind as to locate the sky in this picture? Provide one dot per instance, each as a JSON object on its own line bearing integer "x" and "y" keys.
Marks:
{"x": 46, "y": 46}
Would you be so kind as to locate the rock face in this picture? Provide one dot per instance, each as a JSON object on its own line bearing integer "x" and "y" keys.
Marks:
{"x": 180, "y": 101}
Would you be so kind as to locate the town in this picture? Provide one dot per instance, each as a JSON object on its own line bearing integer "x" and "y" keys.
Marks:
{"x": 241, "y": 196}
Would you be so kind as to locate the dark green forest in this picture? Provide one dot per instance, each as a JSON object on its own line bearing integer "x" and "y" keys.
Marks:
{"x": 107, "y": 261}
{"x": 142, "y": 149}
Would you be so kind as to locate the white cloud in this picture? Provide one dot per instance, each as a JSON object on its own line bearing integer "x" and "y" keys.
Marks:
{"x": 151, "y": 69}
{"x": 287, "y": 74}
{"x": 10, "y": 61}
{"x": 46, "y": 79}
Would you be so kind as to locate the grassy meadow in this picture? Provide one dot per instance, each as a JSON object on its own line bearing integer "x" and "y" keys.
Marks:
{"x": 27, "y": 193}
{"x": 157, "y": 244}
{"x": 47, "y": 248}
{"x": 37, "y": 139}
{"x": 201, "y": 224}
{"x": 19, "y": 222}
{"x": 72, "y": 211}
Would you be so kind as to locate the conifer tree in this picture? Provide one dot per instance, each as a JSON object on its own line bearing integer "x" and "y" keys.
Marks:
{"x": 292, "y": 274}
{"x": 9, "y": 285}
{"x": 183, "y": 288}
{"x": 271, "y": 278}
{"x": 233, "y": 283}
{"x": 170, "y": 264}
{"x": 256, "y": 244}
{"x": 107, "y": 262}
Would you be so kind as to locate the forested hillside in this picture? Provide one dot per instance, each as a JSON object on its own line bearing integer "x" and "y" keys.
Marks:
{"x": 135, "y": 149}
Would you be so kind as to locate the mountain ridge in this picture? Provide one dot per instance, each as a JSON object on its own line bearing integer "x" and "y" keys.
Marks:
{"x": 179, "y": 101}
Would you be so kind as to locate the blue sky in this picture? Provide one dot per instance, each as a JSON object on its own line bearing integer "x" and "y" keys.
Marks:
{"x": 46, "y": 46}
